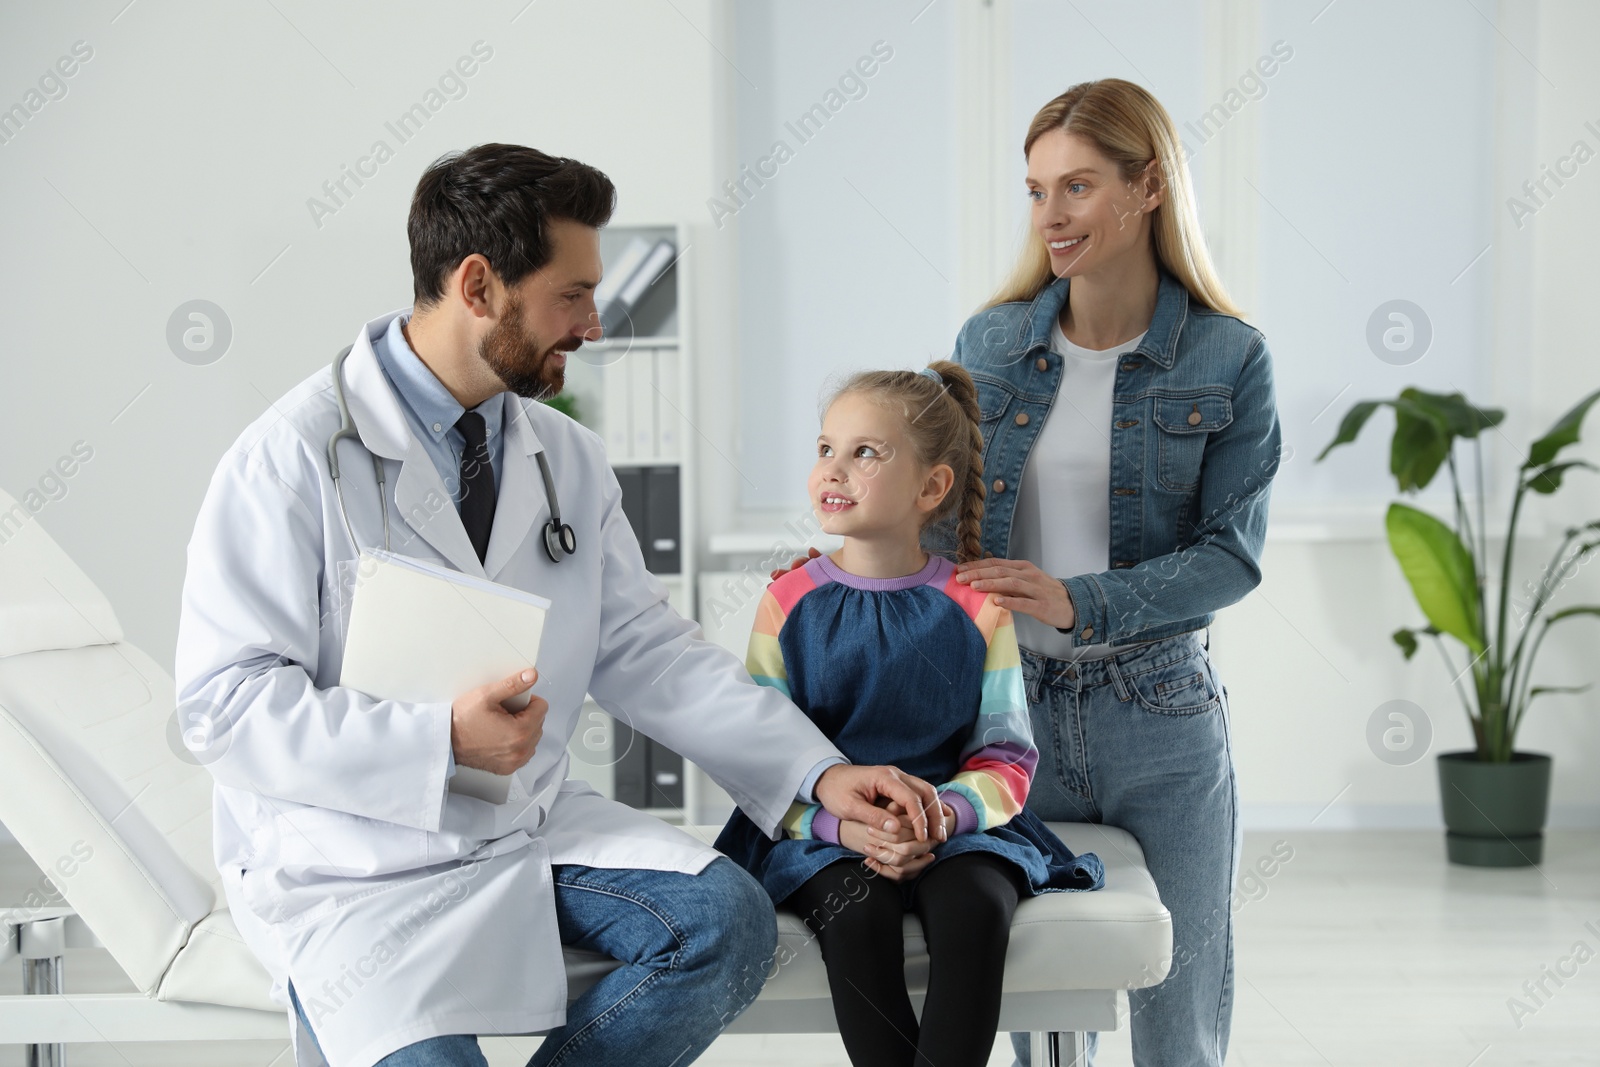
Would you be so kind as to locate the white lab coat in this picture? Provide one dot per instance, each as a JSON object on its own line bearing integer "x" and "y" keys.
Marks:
{"x": 341, "y": 850}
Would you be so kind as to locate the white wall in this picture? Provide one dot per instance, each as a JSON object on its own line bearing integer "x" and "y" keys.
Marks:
{"x": 178, "y": 166}
{"x": 1307, "y": 658}
{"x": 848, "y": 252}
{"x": 179, "y": 162}
{"x": 1375, "y": 164}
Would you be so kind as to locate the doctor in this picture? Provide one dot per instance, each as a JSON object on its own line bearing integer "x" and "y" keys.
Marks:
{"x": 397, "y": 918}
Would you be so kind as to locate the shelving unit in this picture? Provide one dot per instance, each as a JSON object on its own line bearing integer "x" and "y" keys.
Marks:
{"x": 635, "y": 388}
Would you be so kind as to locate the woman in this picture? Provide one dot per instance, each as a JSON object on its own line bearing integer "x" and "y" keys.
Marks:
{"x": 1130, "y": 438}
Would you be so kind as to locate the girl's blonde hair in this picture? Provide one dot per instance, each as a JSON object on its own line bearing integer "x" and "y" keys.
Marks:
{"x": 1131, "y": 128}
{"x": 940, "y": 420}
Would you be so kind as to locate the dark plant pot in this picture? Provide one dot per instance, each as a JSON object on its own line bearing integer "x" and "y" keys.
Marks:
{"x": 1494, "y": 813}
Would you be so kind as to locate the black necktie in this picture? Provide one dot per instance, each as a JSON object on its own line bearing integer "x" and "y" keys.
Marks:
{"x": 477, "y": 482}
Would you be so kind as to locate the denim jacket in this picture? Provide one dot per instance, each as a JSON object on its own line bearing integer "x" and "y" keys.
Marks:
{"x": 1194, "y": 442}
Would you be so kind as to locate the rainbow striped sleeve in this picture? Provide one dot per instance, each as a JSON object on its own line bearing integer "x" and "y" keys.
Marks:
{"x": 998, "y": 761}
{"x": 764, "y": 661}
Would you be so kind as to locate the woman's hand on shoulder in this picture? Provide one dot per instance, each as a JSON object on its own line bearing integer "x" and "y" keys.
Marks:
{"x": 1019, "y": 585}
{"x": 798, "y": 561}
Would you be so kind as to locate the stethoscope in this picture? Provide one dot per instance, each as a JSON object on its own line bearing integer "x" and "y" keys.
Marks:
{"x": 559, "y": 540}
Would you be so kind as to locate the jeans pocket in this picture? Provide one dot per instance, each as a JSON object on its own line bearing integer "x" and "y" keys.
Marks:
{"x": 1031, "y": 680}
{"x": 1184, "y": 687}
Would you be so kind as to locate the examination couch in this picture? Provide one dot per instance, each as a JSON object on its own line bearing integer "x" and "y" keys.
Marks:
{"x": 93, "y": 789}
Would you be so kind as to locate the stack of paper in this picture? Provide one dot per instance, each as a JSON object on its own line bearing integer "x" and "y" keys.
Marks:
{"x": 422, "y": 632}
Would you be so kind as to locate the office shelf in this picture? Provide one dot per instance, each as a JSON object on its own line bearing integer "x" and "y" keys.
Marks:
{"x": 636, "y": 389}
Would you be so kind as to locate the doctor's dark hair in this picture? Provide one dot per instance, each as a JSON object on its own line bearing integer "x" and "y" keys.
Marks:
{"x": 497, "y": 200}
{"x": 940, "y": 419}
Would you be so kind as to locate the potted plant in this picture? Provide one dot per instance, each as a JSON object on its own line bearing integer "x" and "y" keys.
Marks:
{"x": 1495, "y": 798}
{"x": 565, "y": 403}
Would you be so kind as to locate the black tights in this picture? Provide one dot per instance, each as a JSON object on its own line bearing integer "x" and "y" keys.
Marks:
{"x": 965, "y": 903}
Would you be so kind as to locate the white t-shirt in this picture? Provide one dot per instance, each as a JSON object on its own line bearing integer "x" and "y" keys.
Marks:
{"x": 1066, "y": 487}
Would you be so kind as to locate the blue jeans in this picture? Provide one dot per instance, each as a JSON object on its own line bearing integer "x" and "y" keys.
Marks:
{"x": 1139, "y": 740}
{"x": 695, "y": 949}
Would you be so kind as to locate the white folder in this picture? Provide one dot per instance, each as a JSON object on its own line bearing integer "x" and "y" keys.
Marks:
{"x": 422, "y": 632}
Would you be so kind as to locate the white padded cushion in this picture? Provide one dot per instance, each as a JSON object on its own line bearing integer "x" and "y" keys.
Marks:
{"x": 215, "y": 966}
{"x": 46, "y": 601}
{"x": 1117, "y": 937}
{"x": 100, "y": 802}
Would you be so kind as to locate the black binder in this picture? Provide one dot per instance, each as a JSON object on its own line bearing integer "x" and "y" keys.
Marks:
{"x": 663, "y": 530}
{"x": 650, "y": 500}
{"x": 647, "y": 773}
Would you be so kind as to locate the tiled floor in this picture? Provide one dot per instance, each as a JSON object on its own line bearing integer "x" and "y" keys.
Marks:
{"x": 1362, "y": 949}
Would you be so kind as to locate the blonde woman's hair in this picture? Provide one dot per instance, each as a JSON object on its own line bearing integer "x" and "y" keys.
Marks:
{"x": 940, "y": 420}
{"x": 1131, "y": 128}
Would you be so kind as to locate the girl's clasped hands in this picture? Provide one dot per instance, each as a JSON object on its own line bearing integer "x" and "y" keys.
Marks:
{"x": 897, "y": 854}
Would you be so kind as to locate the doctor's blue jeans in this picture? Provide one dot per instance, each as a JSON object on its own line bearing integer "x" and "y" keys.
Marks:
{"x": 695, "y": 949}
{"x": 1140, "y": 740}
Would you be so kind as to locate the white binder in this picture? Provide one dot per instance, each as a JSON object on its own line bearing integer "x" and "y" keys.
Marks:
{"x": 422, "y": 632}
{"x": 640, "y": 369}
{"x": 668, "y": 415}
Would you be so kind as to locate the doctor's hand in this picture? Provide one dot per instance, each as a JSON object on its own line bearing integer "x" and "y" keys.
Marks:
{"x": 1020, "y": 586}
{"x": 489, "y": 736}
{"x": 904, "y": 836}
{"x": 853, "y": 792}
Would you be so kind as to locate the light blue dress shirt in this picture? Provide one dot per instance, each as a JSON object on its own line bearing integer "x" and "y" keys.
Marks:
{"x": 432, "y": 413}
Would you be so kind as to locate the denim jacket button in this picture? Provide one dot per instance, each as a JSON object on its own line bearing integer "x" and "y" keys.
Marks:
{"x": 999, "y": 485}
{"x": 1022, "y": 418}
{"x": 1042, "y": 363}
{"x": 1088, "y": 632}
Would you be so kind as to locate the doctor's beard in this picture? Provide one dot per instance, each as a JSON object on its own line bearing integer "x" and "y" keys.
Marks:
{"x": 519, "y": 361}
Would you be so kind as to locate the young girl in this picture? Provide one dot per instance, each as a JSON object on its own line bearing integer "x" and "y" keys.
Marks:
{"x": 899, "y": 664}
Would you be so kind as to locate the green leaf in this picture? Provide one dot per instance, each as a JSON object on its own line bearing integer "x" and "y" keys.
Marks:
{"x": 1440, "y": 571}
{"x": 1562, "y": 434}
{"x": 1548, "y": 479}
{"x": 1536, "y": 690}
{"x": 565, "y": 403}
{"x": 1460, "y": 416}
{"x": 1350, "y": 425}
{"x": 1421, "y": 443}
{"x": 1577, "y": 609}
{"x": 1406, "y": 638}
